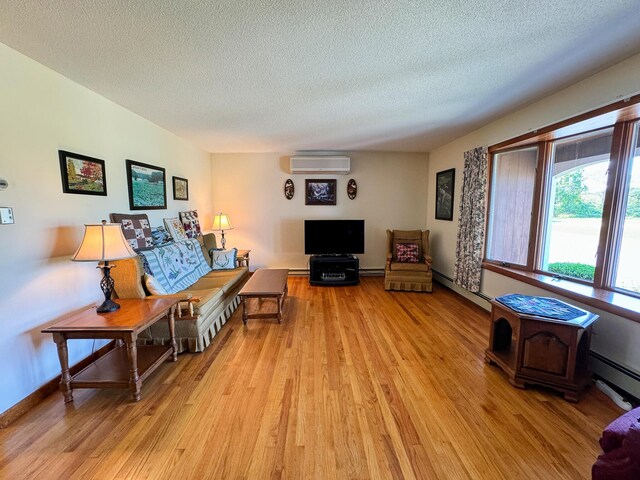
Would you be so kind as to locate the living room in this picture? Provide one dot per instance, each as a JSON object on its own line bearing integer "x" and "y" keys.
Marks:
{"x": 44, "y": 111}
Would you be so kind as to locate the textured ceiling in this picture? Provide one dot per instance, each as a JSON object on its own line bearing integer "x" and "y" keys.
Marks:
{"x": 285, "y": 75}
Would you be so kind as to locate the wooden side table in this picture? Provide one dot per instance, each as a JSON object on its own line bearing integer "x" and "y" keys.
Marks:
{"x": 128, "y": 364}
{"x": 243, "y": 258}
{"x": 539, "y": 350}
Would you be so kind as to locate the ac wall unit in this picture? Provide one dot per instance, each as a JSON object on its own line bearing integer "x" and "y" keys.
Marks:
{"x": 306, "y": 164}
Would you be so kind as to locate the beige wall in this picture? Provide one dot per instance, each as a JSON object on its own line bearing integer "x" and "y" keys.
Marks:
{"x": 616, "y": 338}
{"x": 392, "y": 192}
{"x": 42, "y": 112}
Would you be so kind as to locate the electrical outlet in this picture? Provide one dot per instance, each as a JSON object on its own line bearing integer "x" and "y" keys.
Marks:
{"x": 6, "y": 215}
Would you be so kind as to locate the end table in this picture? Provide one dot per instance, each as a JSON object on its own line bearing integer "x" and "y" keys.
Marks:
{"x": 126, "y": 365}
{"x": 538, "y": 350}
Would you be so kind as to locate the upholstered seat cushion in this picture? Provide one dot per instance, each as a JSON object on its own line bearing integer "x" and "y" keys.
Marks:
{"x": 408, "y": 267}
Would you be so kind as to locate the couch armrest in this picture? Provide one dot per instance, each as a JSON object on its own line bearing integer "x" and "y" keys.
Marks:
{"x": 389, "y": 257}
{"x": 427, "y": 259}
{"x": 179, "y": 296}
{"x": 186, "y": 301}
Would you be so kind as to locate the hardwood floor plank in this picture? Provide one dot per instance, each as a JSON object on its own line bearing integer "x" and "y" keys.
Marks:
{"x": 356, "y": 383}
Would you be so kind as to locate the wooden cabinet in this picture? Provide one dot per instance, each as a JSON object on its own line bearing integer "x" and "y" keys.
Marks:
{"x": 542, "y": 351}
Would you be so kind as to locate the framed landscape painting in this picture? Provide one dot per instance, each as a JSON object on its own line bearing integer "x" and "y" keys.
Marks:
{"x": 147, "y": 186}
{"x": 82, "y": 174}
{"x": 320, "y": 192}
{"x": 444, "y": 194}
{"x": 180, "y": 188}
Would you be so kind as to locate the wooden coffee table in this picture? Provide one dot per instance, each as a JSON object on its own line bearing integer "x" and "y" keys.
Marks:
{"x": 265, "y": 283}
{"x": 128, "y": 364}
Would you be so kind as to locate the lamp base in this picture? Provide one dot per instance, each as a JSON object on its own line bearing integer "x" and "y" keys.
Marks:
{"x": 108, "y": 306}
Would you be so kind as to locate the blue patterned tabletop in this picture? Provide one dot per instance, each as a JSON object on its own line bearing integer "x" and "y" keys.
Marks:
{"x": 541, "y": 307}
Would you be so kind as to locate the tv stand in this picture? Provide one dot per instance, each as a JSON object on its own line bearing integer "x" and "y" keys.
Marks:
{"x": 334, "y": 270}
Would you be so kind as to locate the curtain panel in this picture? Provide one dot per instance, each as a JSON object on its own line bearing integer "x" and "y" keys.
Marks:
{"x": 471, "y": 224}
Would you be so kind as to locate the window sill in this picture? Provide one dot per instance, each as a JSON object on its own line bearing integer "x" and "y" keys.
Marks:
{"x": 613, "y": 302}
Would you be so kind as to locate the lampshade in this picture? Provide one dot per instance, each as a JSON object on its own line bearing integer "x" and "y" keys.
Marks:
{"x": 222, "y": 222}
{"x": 103, "y": 242}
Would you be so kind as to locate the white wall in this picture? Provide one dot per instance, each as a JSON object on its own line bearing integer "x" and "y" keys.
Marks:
{"x": 615, "y": 337}
{"x": 392, "y": 192}
{"x": 41, "y": 112}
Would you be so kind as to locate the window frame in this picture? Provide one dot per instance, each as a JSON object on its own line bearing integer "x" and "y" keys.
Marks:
{"x": 622, "y": 116}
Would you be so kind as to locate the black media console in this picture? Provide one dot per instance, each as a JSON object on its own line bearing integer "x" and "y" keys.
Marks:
{"x": 334, "y": 270}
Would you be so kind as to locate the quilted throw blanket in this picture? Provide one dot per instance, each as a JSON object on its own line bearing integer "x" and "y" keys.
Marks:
{"x": 176, "y": 266}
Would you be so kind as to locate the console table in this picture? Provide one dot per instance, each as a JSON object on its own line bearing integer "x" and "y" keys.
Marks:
{"x": 128, "y": 364}
{"x": 538, "y": 350}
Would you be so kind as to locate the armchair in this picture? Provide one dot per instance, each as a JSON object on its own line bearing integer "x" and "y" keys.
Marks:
{"x": 409, "y": 276}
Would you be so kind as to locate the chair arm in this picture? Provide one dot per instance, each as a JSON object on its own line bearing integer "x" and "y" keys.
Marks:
{"x": 427, "y": 259}
{"x": 389, "y": 258}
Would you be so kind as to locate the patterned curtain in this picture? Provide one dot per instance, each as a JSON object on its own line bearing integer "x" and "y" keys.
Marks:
{"x": 470, "y": 241}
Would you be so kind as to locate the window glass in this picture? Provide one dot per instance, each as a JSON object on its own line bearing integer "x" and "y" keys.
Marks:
{"x": 627, "y": 266}
{"x": 574, "y": 205}
{"x": 512, "y": 187}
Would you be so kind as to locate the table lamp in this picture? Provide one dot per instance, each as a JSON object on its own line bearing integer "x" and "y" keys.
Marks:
{"x": 221, "y": 223}
{"x": 102, "y": 243}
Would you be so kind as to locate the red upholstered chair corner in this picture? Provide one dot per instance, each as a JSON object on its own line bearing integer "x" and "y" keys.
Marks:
{"x": 620, "y": 442}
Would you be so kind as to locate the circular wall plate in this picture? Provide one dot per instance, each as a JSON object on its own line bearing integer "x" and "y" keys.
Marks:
{"x": 289, "y": 189}
{"x": 352, "y": 189}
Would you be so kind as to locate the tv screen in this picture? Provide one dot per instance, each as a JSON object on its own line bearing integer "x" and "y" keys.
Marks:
{"x": 333, "y": 237}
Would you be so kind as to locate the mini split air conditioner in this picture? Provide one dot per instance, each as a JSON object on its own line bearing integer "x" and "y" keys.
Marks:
{"x": 306, "y": 164}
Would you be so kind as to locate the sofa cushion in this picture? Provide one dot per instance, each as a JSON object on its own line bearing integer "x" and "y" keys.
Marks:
{"x": 407, "y": 252}
{"x": 209, "y": 299}
{"x": 178, "y": 265}
{"x": 175, "y": 228}
{"x": 136, "y": 229}
{"x": 225, "y": 279}
{"x": 223, "y": 259}
{"x": 409, "y": 267}
{"x": 190, "y": 223}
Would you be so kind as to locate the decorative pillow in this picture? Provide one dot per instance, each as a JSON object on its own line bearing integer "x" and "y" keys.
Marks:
{"x": 223, "y": 259}
{"x": 175, "y": 229}
{"x": 191, "y": 223}
{"x": 136, "y": 229}
{"x": 153, "y": 285}
{"x": 160, "y": 236}
{"x": 407, "y": 252}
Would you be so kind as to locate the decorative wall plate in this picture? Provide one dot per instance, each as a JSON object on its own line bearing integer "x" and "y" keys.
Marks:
{"x": 352, "y": 189}
{"x": 289, "y": 189}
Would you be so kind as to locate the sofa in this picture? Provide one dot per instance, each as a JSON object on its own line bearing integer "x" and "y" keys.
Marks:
{"x": 206, "y": 303}
{"x": 620, "y": 442}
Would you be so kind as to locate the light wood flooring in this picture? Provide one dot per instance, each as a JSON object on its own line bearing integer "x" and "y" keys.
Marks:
{"x": 356, "y": 383}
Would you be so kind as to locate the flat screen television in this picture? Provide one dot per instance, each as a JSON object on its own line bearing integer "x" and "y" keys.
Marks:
{"x": 333, "y": 237}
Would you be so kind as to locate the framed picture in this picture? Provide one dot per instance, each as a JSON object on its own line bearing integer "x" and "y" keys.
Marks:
{"x": 320, "y": 192}
{"x": 146, "y": 186}
{"x": 180, "y": 188}
{"x": 444, "y": 194}
{"x": 82, "y": 174}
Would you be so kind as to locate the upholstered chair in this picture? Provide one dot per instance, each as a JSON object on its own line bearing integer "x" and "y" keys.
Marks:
{"x": 408, "y": 265}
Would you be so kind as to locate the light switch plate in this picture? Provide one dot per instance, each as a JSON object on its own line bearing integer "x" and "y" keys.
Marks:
{"x": 6, "y": 215}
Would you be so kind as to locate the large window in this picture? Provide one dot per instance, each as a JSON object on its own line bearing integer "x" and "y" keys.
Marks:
{"x": 513, "y": 177}
{"x": 574, "y": 205}
{"x": 627, "y": 264}
{"x": 567, "y": 204}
